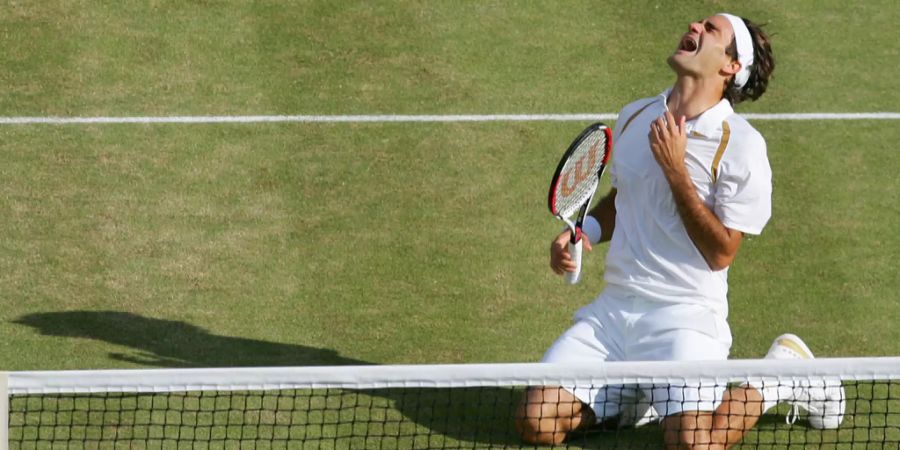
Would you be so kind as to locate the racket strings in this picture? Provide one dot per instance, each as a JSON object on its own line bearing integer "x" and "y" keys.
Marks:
{"x": 578, "y": 178}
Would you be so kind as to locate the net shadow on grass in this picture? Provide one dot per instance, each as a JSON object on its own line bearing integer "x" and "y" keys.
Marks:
{"x": 410, "y": 417}
{"x": 416, "y": 418}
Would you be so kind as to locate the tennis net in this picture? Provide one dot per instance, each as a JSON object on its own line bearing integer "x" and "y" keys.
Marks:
{"x": 424, "y": 406}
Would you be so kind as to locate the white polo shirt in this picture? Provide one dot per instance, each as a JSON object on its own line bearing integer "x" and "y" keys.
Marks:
{"x": 651, "y": 253}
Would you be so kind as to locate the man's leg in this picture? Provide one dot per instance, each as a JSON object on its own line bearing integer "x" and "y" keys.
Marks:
{"x": 739, "y": 411}
{"x": 741, "y": 407}
{"x": 547, "y": 414}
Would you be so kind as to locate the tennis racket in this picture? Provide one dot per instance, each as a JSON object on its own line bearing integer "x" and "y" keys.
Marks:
{"x": 575, "y": 182}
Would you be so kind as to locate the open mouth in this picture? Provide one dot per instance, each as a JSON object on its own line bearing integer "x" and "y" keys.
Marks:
{"x": 688, "y": 44}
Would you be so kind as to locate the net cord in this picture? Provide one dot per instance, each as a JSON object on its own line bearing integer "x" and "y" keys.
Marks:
{"x": 447, "y": 375}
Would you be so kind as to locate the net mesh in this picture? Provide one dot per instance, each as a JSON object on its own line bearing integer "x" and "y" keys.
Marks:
{"x": 401, "y": 411}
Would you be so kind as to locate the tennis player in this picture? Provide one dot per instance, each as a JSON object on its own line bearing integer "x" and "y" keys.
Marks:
{"x": 689, "y": 179}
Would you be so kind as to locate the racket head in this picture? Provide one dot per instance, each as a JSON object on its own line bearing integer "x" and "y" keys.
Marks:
{"x": 578, "y": 173}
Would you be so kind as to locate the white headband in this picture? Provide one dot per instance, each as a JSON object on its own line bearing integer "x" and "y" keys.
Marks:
{"x": 744, "y": 48}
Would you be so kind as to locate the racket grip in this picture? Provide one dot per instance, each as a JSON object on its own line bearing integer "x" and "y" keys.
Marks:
{"x": 575, "y": 251}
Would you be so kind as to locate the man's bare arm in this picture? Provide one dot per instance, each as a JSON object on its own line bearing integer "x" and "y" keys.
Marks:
{"x": 717, "y": 243}
{"x": 605, "y": 213}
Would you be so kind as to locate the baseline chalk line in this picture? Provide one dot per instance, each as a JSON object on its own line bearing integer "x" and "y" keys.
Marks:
{"x": 410, "y": 118}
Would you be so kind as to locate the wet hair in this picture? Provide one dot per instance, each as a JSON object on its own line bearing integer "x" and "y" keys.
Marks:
{"x": 760, "y": 70}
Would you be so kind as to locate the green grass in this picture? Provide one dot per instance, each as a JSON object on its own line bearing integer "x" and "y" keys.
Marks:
{"x": 125, "y": 246}
{"x": 392, "y": 418}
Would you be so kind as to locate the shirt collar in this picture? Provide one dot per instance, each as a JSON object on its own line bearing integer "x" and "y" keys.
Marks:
{"x": 709, "y": 121}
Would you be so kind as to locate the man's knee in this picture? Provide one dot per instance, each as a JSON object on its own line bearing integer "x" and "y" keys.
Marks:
{"x": 546, "y": 415}
{"x": 689, "y": 440}
{"x": 689, "y": 431}
{"x": 540, "y": 431}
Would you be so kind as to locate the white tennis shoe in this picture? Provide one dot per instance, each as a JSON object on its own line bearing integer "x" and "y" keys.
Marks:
{"x": 823, "y": 399}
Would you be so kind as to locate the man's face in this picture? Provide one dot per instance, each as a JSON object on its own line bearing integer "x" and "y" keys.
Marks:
{"x": 701, "y": 51}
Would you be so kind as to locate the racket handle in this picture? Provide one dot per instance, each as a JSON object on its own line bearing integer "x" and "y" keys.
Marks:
{"x": 575, "y": 251}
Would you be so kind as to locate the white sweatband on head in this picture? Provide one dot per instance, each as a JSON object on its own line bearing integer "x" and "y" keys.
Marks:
{"x": 744, "y": 48}
{"x": 591, "y": 229}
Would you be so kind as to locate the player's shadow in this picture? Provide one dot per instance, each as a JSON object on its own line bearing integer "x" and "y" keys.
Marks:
{"x": 483, "y": 415}
{"x": 175, "y": 344}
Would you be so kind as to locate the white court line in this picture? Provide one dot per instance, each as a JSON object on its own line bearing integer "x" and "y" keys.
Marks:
{"x": 413, "y": 118}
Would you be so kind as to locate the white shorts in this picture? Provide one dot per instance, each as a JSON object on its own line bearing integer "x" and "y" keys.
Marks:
{"x": 620, "y": 326}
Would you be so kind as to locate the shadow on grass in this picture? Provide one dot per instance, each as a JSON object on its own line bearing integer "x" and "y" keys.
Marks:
{"x": 415, "y": 417}
{"x": 170, "y": 343}
{"x": 482, "y": 416}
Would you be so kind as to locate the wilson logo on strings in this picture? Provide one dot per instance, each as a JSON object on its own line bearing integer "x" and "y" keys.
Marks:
{"x": 573, "y": 178}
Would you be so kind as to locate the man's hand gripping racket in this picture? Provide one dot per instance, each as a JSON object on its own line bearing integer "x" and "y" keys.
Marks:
{"x": 575, "y": 182}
